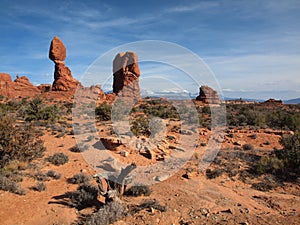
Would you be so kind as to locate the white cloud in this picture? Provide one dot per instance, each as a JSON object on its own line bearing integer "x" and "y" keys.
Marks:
{"x": 268, "y": 72}
{"x": 193, "y": 7}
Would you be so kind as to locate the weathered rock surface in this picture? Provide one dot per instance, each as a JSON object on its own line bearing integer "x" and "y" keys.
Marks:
{"x": 5, "y": 85}
{"x": 20, "y": 87}
{"x": 57, "y": 50}
{"x": 208, "y": 95}
{"x": 23, "y": 87}
{"x": 44, "y": 87}
{"x": 63, "y": 79}
{"x": 126, "y": 75}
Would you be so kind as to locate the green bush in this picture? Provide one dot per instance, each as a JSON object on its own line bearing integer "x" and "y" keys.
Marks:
{"x": 290, "y": 154}
{"x": 19, "y": 142}
{"x": 36, "y": 110}
{"x": 284, "y": 163}
{"x": 140, "y": 126}
{"x": 103, "y": 112}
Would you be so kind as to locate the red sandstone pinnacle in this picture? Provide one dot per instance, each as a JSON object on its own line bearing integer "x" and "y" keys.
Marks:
{"x": 208, "y": 95}
{"x": 126, "y": 75}
{"x": 63, "y": 79}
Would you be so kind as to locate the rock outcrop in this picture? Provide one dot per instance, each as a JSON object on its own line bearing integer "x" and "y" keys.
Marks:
{"x": 273, "y": 101}
{"x": 23, "y": 87}
{"x": 20, "y": 87}
{"x": 63, "y": 79}
{"x": 126, "y": 75}
{"x": 208, "y": 95}
{"x": 58, "y": 50}
{"x": 6, "y": 85}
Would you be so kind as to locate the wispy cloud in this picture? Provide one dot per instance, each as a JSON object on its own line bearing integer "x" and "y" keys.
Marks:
{"x": 207, "y": 5}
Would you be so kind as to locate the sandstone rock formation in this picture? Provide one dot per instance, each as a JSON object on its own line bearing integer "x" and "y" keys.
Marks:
{"x": 208, "y": 95}
{"x": 126, "y": 75}
{"x": 20, "y": 87}
{"x": 273, "y": 101}
{"x": 23, "y": 87}
{"x": 63, "y": 79}
{"x": 6, "y": 85}
{"x": 57, "y": 50}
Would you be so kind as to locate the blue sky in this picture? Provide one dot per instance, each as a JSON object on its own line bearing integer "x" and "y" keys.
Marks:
{"x": 253, "y": 47}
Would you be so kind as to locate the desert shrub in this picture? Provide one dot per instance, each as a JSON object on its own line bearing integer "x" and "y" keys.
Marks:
{"x": 40, "y": 176}
{"x": 290, "y": 154}
{"x": 80, "y": 178}
{"x": 140, "y": 126}
{"x": 85, "y": 196}
{"x": 211, "y": 174}
{"x": 19, "y": 142}
{"x": 138, "y": 190}
{"x": 53, "y": 174}
{"x": 103, "y": 112}
{"x": 40, "y": 186}
{"x": 106, "y": 215}
{"x": 262, "y": 186}
{"x": 7, "y": 184}
{"x": 285, "y": 162}
{"x": 149, "y": 204}
{"x": 36, "y": 110}
{"x": 248, "y": 147}
{"x": 58, "y": 159}
{"x": 157, "y": 108}
{"x": 80, "y": 147}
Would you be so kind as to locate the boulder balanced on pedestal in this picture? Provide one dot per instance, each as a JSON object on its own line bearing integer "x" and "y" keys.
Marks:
{"x": 63, "y": 79}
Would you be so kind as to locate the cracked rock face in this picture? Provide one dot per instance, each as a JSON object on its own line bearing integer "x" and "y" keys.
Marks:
{"x": 126, "y": 75}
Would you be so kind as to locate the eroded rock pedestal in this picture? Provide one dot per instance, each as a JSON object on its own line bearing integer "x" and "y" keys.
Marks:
{"x": 126, "y": 75}
{"x": 63, "y": 79}
{"x": 208, "y": 95}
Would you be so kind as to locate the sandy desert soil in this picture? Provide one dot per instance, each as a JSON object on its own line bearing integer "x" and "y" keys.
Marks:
{"x": 192, "y": 199}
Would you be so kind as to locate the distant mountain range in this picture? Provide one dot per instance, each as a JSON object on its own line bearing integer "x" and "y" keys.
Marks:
{"x": 292, "y": 101}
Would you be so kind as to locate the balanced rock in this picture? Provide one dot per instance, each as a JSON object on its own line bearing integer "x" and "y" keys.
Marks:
{"x": 208, "y": 95}
{"x": 57, "y": 50}
{"x": 126, "y": 75}
{"x": 63, "y": 79}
